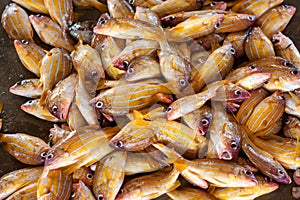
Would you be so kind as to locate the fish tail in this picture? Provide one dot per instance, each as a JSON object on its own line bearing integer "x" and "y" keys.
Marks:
{"x": 171, "y": 155}
{"x": 43, "y": 97}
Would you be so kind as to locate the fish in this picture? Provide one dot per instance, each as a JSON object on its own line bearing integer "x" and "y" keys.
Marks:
{"x": 50, "y": 32}
{"x": 144, "y": 67}
{"x": 150, "y": 186}
{"x": 258, "y": 45}
{"x": 30, "y": 88}
{"x": 276, "y": 19}
{"x": 262, "y": 160}
{"x": 271, "y": 63}
{"x": 199, "y": 120}
{"x": 214, "y": 5}
{"x": 242, "y": 72}
{"x": 134, "y": 50}
{"x": 54, "y": 183}
{"x": 266, "y": 113}
{"x": 264, "y": 186}
{"x": 144, "y": 3}
{"x": 254, "y": 8}
{"x": 190, "y": 194}
{"x": 81, "y": 191}
{"x": 292, "y": 103}
{"x": 61, "y": 11}
{"x": 36, "y": 6}
{"x": 34, "y": 108}
{"x": 225, "y": 135}
{"x": 125, "y": 28}
{"x": 146, "y": 15}
{"x": 291, "y": 127}
{"x": 10, "y": 184}
{"x": 203, "y": 25}
{"x": 285, "y": 48}
{"x": 254, "y": 81}
{"x": 84, "y": 175}
{"x": 27, "y": 192}
{"x": 30, "y": 55}
{"x": 272, "y": 130}
{"x": 173, "y": 6}
{"x": 217, "y": 172}
{"x": 121, "y": 99}
{"x": 140, "y": 162}
{"x": 57, "y": 134}
{"x": 209, "y": 41}
{"x": 91, "y": 3}
{"x": 27, "y": 149}
{"x": 15, "y": 15}
{"x": 75, "y": 119}
{"x": 87, "y": 63}
{"x": 217, "y": 66}
{"x": 233, "y": 22}
{"x": 237, "y": 40}
{"x": 61, "y": 97}
{"x": 55, "y": 66}
{"x": 119, "y": 9}
{"x": 109, "y": 175}
{"x": 247, "y": 107}
{"x": 83, "y": 29}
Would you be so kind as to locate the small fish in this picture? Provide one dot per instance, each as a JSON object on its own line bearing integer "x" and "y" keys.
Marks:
{"x": 237, "y": 39}
{"x": 84, "y": 175}
{"x": 91, "y": 3}
{"x": 15, "y": 15}
{"x": 10, "y": 184}
{"x": 61, "y": 97}
{"x": 264, "y": 186}
{"x": 276, "y": 19}
{"x": 61, "y": 11}
{"x": 119, "y": 9}
{"x": 81, "y": 191}
{"x": 75, "y": 118}
{"x": 254, "y": 81}
{"x": 146, "y": 15}
{"x": 258, "y": 45}
{"x": 199, "y": 120}
{"x": 145, "y": 3}
{"x": 285, "y": 48}
{"x": 292, "y": 103}
{"x": 214, "y": 5}
{"x": 34, "y": 108}
{"x": 57, "y": 133}
{"x": 54, "y": 183}
{"x": 241, "y": 73}
{"x": 83, "y": 29}
{"x": 36, "y": 6}
{"x": 190, "y": 194}
{"x": 30, "y": 55}
{"x": 25, "y": 148}
{"x": 207, "y": 42}
{"x": 50, "y": 32}
{"x": 27, "y": 192}
{"x": 235, "y": 22}
{"x": 291, "y": 127}
{"x": 109, "y": 175}
{"x": 150, "y": 186}
{"x": 30, "y": 88}
{"x": 55, "y": 66}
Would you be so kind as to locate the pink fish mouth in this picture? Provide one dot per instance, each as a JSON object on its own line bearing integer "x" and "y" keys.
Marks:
{"x": 225, "y": 155}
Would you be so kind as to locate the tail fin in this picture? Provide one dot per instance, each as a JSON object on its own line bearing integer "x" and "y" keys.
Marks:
{"x": 43, "y": 97}
{"x": 171, "y": 155}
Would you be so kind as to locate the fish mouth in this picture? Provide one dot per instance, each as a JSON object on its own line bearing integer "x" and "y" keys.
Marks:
{"x": 225, "y": 155}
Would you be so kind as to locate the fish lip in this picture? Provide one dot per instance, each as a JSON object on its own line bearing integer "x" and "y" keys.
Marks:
{"x": 225, "y": 155}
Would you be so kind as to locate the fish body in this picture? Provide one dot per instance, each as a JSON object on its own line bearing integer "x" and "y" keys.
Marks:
{"x": 237, "y": 39}
{"x": 291, "y": 127}
{"x": 119, "y": 9}
{"x": 190, "y": 194}
{"x": 30, "y": 88}
{"x": 145, "y": 14}
{"x": 36, "y": 6}
{"x": 81, "y": 191}
{"x": 235, "y": 22}
{"x": 27, "y": 193}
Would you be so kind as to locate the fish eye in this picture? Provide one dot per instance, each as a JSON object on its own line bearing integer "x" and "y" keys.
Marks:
{"x": 251, "y": 18}
{"x": 280, "y": 172}
{"x": 232, "y": 51}
{"x": 89, "y": 176}
{"x": 131, "y": 1}
{"x": 30, "y": 101}
{"x": 248, "y": 172}
{"x": 285, "y": 6}
{"x": 94, "y": 74}
{"x": 102, "y": 46}
{"x": 266, "y": 82}
{"x": 169, "y": 109}
{"x": 172, "y": 17}
{"x": 54, "y": 109}
{"x": 99, "y": 104}
{"x": 50, "y": 136}
{"x": 288, "y": 63}
{"x": 182, "y": 82}
{"x": 294, "y": 72}
{"x": 19, "y": 83}
{"x": 204, "y": 121}
{"x": 100, "y": 197}
{"x": 120, "y": 144}
{"x": 125, "y": 64}
{"x": 73, "y": 194}
{"x": 50, "y": 156}
{"x": 287, "y": 121}
{"x": 252, "y": 67}
{"x": 43, "y": 154}
{"x": 281, "y": 97}
{"x": 130, "y": 70}
{"x": 233, "y": 145}
{"x": 237, "y": 92}
{"x": 25, "y": 42}
{"x": 39, "y": 15}
{"x": 102, "y": 21}
{"x": 217, "y": 25}
{"x": 213, "y": 3}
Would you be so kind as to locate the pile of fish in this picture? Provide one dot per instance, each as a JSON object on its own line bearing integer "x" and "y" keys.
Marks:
{"x": 152, "y": 91}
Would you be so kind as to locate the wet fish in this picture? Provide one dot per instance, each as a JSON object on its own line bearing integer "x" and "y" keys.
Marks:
{"x": 50, "y": 32}
{"x": 91, "y": 3}
{"x": 81, "y": 191}
{"x": 83, "y": 29}
{"x": 16, "y": 24}
{"x": 237, "y": 39}
{"x": 242, "y": 72}
{"x": 55, "y": 66}
{"x": 214, "y": 5}
{"x": 109, "y": 175}
{"x": 235, "y": 22}
{"x": 145, "y": 3}
{"x": 84, "y": 175}
{"x": 292, "y": 104}
{"x": 57, "y": 133}
{"x": 254, "y": 81}
{"x": 146, "y": 15}
{"x": 30, "y": 55}
{"x": 10, "y": 184}
{"x": 28, "y": 149}
{"x": 150, "y": 186}
{"x": 119, "y": 9}
{"x": 30, "y": 88}
{"x": 190, "y": 194}
{"x": 61, "y": 97}
{"x": 210, "y": 41}
{"x": 36, "y": 6}
{"x": 28, "y": 192}
{"x": 75, "y": 118}
{"x": 291, "y": 127}
{"x": 258, "y": 45}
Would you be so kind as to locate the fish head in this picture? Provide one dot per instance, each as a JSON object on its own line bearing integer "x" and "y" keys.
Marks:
{"x": 121, "y": 63}
{"x": 131, "y": 73}
{"x": 21, "y": 44}
{"x": 39, "y": 20}
{"x": 235, "y": 93}
{"x": 57, "y": 109}
{"x": 267, "y": 184}
{"x": 279, "y": 174}
{"x": 118, "y": 142}
{"x": 102, "y": 105}
{"x": 174, "y": 111}
{"x": 289, "y": 9}
{"x": 56, "y": 158}
{"x": 30, "y": 106}
{"x": 280, "y": 40}
{"x": 246, "y": 177}
{"x": 42, "y": 154}
{"x": 218, "y": 5}
{"x": 182, "y": 82}
{"x": 20, "y": 86}
{"x": 129, "y": 195}
{"x": 173, "y": 19}
{"x": 204, "y": 123}
{"x": 290, "y": 80}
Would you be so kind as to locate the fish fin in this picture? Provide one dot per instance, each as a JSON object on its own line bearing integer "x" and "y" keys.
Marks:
{"x": 47, "y": 52}
{"x": 295, "y": 97}
{"x": 165, "y": 98}
{"x": 172, "y": 155}
{"x": 138, "y": 115}
{"x": 175, "y": 185}
{"x": 43, "y": 97}
{"x": 211, "y": 189}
